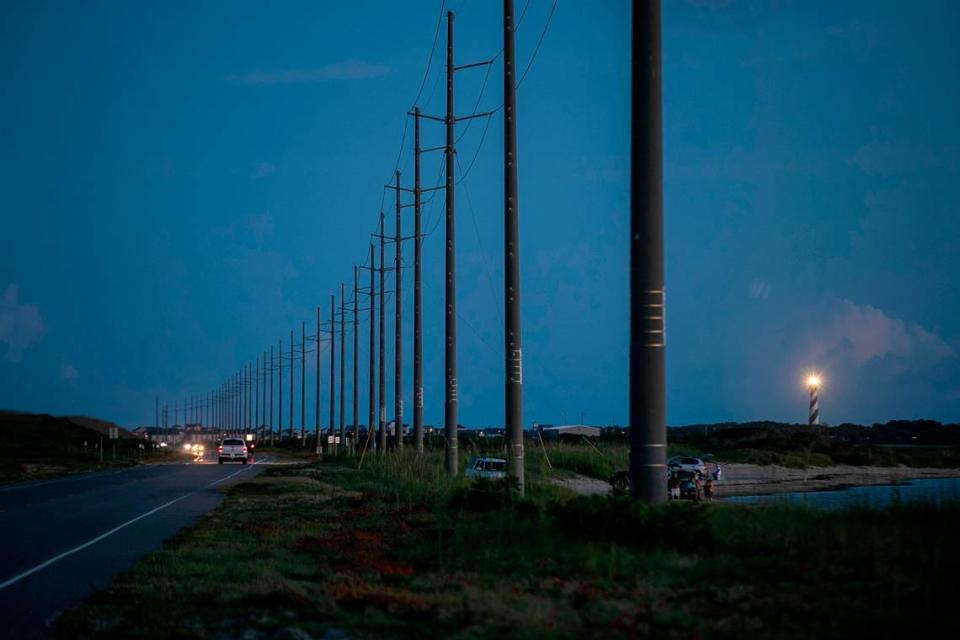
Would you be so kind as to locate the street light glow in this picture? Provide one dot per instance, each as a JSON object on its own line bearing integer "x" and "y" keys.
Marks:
{"x": 813, "y": 380}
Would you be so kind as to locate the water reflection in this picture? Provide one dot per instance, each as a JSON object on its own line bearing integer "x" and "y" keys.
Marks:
{"x": 928, "y": 490}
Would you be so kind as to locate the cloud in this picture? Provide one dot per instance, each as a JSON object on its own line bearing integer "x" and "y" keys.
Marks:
{"x": 20, "y": 324}
{"x": 886, "y": 159}
{"x": 760, "y": 289}
{"x": 262, "y": 170}
{"x": 864, "y": 36}
{"x": 261, "y": 225}
{"x": 68, "y": 372}
{"x": 876, "y": 367}
{"x": 865, "y": 333}
{"x": 345, "y": 70}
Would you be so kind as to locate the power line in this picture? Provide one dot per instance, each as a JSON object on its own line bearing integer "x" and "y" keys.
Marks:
{"x": 539, "y": 42}
{"x": 433, "y": 48}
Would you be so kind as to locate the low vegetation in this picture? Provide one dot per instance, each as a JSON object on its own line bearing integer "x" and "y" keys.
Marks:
{"x": 38, "y": 446}
{"x": 398, "y": 549}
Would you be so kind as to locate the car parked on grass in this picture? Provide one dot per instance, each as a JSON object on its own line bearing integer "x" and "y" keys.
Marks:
{"x": 232, "y": 450}
{"x": 481, "y": 467}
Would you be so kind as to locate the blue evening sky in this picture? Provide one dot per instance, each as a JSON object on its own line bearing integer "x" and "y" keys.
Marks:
{"x": 183, "y": 182}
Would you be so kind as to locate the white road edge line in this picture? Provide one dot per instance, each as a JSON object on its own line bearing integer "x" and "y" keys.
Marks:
{"x": 70, "y": 552}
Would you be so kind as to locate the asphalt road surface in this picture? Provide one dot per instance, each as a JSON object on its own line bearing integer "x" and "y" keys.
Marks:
{"x": 62, "y": 539}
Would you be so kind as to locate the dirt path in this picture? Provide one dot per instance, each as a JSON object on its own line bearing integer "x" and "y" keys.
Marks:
{"x": 751, "y": 479}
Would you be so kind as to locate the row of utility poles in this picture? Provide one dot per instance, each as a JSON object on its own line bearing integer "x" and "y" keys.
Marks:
{"x": 230, "y": 403}
{"x": 230, "y": 407}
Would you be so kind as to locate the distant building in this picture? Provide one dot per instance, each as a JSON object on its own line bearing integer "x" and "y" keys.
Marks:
{"x": 197, "y": 433}
{"x": 170, "y": 435}
{"x": 576, "y": 430}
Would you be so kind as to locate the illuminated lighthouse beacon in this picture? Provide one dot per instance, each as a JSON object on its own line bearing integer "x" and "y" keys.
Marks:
{"x": 813, "y": 383}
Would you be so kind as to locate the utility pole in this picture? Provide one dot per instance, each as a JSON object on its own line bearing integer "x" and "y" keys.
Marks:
{"x": 371, "y": 410}
{"x": 648, "y": 433}
{"x": 356, "y": 391}
{"x": 450, "y": 324}
{"x": 271, "y": 396}
{"x": 280, "y": 392}
{"x": 263, "y": 419}
{"x": 398, "y": 329}
{"x": 343, "y": 327}
{"x": 291, "y": 386}
{"x": 303, "y": 383}
{"x": 511, "y": 255}
{"x": 156, "y": 411}
{"x": 317, "y": 408}
{"x": 333, "y": 375}
{"x": 417, "y": 298}
{"x": 382, "y": 429}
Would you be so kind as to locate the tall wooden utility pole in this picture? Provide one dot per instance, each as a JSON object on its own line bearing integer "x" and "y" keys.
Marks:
{"x": 263, "y": 404}
{"x": 382, "y": 427}
{"x": 371, "y": 409}
{"x": 291, "y": 387}
{"x": 343, "y": 341}
{"x": 317, "y": 399}
{"x": 356, "y": 390}
{"x": 398, "y": 327}
{"x": 450, "y": 321}
{"x": 333, "y": 375}
{"x": 511, "y": 255}
{"x": 280, "y": 392}
{"x": 303, "y": 383}
{"x": 271, "y": 397}
{"x": 417, "y": 297}
{"x": 648, "y": 432}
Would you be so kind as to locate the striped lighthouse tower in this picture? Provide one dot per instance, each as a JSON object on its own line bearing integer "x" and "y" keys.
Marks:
{"x": 813, "y": 382}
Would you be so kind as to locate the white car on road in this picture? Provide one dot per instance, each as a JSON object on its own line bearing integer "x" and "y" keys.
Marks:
{"x": 232, "y": 450}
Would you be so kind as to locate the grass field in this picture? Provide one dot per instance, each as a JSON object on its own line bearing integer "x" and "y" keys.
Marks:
{"x": 398, "y": 549}
{"x": 39, "y": 446}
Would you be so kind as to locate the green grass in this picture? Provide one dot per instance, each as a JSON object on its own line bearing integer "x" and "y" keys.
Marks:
{"x": 399, "y": 549}
{"x": 594, "y": 459}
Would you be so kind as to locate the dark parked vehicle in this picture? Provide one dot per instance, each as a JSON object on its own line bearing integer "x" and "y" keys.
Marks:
{"x": 620, "y": 481}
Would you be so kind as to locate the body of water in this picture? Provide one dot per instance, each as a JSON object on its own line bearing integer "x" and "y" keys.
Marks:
{"x": 929, "y": 490}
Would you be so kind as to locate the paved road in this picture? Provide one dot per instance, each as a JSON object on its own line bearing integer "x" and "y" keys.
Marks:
{"x": 60, "y": 540}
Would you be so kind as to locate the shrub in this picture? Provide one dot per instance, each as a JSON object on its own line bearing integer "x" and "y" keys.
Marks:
{"x": 486, "y": 495}
{"x": 679, "y": 525}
